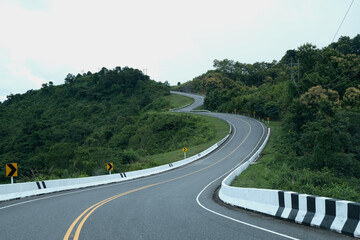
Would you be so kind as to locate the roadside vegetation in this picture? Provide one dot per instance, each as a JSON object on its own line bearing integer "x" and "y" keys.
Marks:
{"x": 176, "y": 101}
{"x": 315, "y": 94}
{"x": 272, "y": 171}
{"x": 220, "y": 128}
{"x": 74, "y": 129}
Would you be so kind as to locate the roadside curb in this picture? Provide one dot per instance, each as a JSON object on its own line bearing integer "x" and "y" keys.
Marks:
{"x": 333, "y": 214}
{"x": 179, "y": 108}
{"x": 27, "y": 189}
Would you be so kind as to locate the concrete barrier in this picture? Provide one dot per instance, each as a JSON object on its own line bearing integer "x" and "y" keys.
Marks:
{"x": 21, "y": 190}
{"x": 260, "y": 200}
{"x": 337, "y": 215}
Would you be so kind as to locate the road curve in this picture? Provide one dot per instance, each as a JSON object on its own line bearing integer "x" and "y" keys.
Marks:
{"x": 178, "y": 204}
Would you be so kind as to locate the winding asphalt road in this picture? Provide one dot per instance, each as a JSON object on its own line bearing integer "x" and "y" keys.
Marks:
{"x": 177, "y": 204}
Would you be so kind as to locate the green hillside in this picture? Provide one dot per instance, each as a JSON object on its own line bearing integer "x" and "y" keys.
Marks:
{"x": 315, "y": 93}
{"x": 74, "y": 129}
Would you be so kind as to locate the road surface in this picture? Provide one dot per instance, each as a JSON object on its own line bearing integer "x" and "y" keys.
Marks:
{"x": 177, "y": 204}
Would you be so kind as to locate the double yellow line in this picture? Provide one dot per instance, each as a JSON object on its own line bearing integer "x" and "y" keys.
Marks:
{"x": 91, "y": 209}
{"x": 85, "y": 215}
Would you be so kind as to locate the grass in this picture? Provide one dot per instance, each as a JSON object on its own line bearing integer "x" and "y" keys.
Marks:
{"x": 200, "y": 108}
{"x": 178, "y": 100}
{"x": 258, "y": 175}
{"x": 222, "y": 129}
{"x": 271, "y": 173}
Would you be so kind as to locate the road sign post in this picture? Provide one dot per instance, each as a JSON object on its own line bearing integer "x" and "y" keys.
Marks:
{"x": 11, "y": 171}
{"x": 110, "y": 167}
{"x": 184, "y": 150}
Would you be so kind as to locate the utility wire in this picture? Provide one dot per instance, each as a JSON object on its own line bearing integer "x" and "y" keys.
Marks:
{"x": 343, "y": 20}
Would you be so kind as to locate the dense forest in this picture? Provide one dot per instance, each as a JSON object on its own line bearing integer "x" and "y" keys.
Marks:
{"x": 74, "y": 129}
{"x": 315, "y": 93}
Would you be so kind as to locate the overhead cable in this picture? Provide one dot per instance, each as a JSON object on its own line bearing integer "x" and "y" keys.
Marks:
{"x": 343, "y": 20}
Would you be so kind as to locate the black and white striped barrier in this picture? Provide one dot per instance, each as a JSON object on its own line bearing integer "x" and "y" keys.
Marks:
{"x": 337, "y": 215}
{"x": 42, "y": 183}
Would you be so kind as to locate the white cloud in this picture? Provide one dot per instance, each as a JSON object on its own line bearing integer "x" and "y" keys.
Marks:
{"x": 173, "y": 40}
{"x": 21, "y": 72}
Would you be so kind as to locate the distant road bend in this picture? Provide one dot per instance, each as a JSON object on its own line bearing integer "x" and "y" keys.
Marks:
{"x": 177, "y": 204}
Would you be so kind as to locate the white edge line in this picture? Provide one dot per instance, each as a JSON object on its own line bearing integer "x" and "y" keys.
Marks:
{"x": 233, "y": 219}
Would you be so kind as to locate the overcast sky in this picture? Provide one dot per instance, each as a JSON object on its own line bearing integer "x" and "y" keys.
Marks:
{"x": 44, "y": 40}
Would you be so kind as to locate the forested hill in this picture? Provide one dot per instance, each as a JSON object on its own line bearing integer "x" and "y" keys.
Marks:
{"x": 315, "y": 93}
{"x": 269, "y": 88}
{"x": 74, "y": 129}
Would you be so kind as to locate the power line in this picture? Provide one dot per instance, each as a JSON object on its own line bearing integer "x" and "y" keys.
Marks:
{"x": 296, "y": 72}
{"x": 343, "y": 20}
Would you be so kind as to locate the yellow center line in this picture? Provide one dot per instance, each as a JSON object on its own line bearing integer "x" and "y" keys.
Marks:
{"x": 77, "y": 233}
{"x": 67, "y": 235}
{"x": 91, "y": 209}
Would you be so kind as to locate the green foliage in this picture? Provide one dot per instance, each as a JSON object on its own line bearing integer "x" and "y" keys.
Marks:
{"x": 316, "y": 92}
{"x": 220, "y": 129}
{"x": 155, "y": 130}
{"x": 74, "y": 129}
{"x": 279, "y": 168}
{"x": 249, "y": 87}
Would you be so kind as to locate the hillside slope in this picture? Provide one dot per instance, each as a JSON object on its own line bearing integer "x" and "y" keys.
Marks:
{"x": 315, "y": 93}
{"x": 74, "y": 129}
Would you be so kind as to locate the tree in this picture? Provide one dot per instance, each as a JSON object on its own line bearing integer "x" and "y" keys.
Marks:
{"x": 213, "y": 81}
{"x": 307, "y": 54}
{"x": 313, "y": 97}
{"x": 272, "y": 110}
{"x": 69, "y": 78}
{"x": 289, "y": 56}
{"x": 351, "y": 99}
{"x": 344, "y": 45}
{"x": 355, "y": 45}
{"x": 225, "y": 66}
{"x": 103, "y": 71}
{"x": 118, "y": 69}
